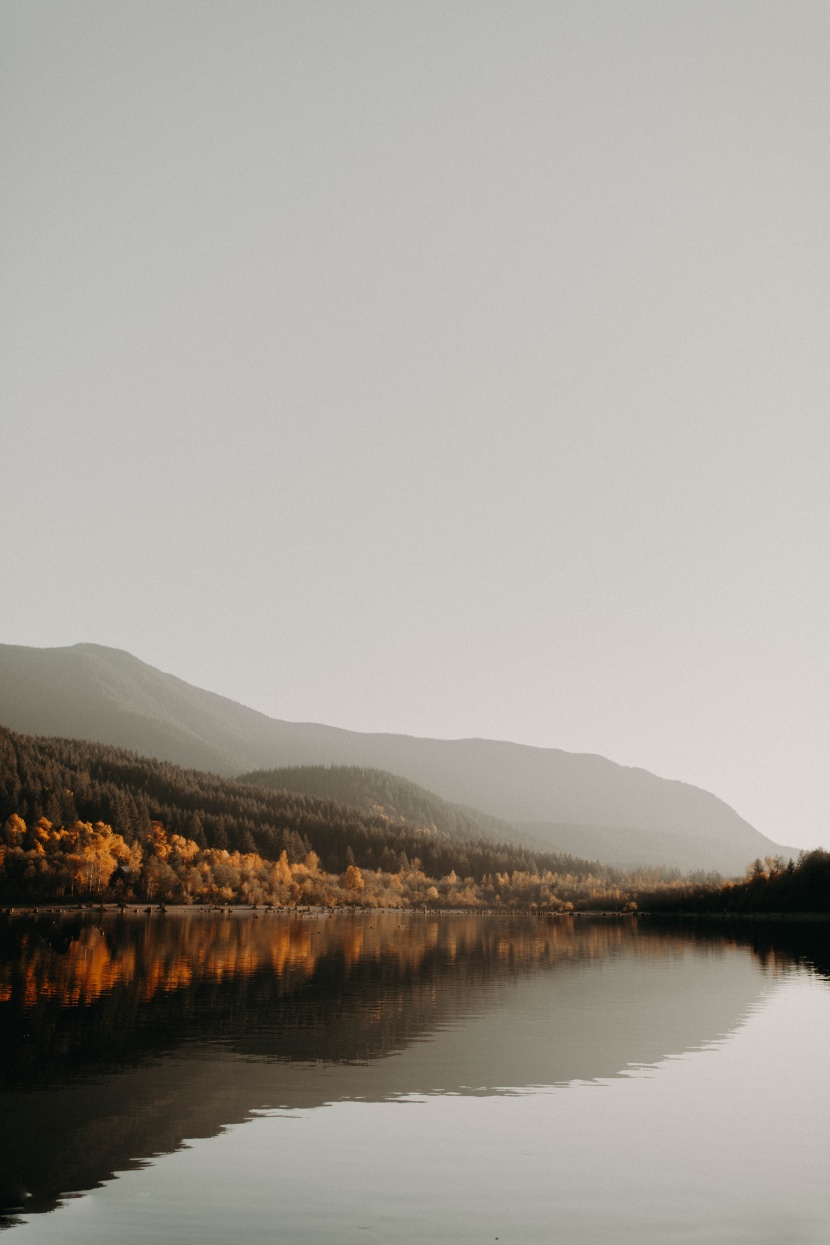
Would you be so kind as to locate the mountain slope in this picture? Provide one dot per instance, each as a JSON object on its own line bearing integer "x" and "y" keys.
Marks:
{"x": 103, "y": 694}
{"x": 380, "y": 793}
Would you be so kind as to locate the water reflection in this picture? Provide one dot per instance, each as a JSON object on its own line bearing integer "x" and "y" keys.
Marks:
{"x": 121, "y": 1038}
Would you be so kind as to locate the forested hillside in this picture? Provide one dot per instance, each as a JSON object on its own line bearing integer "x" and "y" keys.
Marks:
{"x": 67, "y": 781}
{"x": 84, "y": 821}
{"x": 379, "y": 793}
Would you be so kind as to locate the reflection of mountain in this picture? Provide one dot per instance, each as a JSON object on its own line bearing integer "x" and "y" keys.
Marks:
{"x": 199, "y": 1020}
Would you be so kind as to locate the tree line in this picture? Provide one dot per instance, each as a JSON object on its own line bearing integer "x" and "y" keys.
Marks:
{"x": 771, "y": 885}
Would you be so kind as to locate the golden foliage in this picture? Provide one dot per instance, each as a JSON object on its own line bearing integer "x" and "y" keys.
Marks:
{"x": 86, "y": 861}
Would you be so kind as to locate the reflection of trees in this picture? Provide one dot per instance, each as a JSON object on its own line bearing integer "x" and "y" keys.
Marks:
{"x": 155, "y": 955}
{"x": 75, "y": 994}
{"x": 78, "y": 960}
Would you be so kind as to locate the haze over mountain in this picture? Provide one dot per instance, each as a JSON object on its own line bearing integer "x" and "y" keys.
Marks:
{"x": 579, "y": 803}
{"x": 379, "y": 793}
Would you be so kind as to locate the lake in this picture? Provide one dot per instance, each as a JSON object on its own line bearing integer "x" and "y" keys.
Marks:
{"x": 408, "y": 1077}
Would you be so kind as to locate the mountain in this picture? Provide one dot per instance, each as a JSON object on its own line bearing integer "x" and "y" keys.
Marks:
{"x": 103, "y": 694}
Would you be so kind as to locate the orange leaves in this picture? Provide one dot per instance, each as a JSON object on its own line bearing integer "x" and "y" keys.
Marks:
{"x": 91, "y": 861}
{"x": 14, "y": 831}
{"x": 353, "y": 879}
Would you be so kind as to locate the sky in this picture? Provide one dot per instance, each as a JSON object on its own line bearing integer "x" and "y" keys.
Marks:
{"x": 456, "y": 369}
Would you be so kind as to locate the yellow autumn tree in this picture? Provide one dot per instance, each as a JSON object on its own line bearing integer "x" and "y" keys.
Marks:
{"x": 353, "y": 879}
{"x": 14, "y": 831}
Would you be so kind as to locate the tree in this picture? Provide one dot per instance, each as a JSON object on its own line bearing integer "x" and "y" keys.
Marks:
{"x": 353, "y": 879}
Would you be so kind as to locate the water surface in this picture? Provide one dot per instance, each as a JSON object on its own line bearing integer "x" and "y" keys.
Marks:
{"x": 404, "y": 1077}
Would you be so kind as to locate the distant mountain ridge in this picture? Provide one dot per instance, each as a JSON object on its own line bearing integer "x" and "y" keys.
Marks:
{"x": 88, "y": 691}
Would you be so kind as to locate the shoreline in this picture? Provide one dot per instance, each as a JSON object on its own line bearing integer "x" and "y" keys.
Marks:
{"x": 319, "y": 912}
{"x": 302, "y": 911}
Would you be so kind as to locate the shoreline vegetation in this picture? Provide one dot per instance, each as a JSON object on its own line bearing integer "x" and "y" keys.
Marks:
{"x": 90, "y": 865}
{"x": 87, "y": 824}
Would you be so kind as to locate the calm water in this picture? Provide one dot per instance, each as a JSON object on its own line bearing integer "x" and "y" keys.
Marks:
{"x": 212, "y": 1078}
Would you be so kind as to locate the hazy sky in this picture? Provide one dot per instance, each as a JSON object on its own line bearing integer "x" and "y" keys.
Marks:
{"x": 450, "y": 368}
